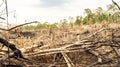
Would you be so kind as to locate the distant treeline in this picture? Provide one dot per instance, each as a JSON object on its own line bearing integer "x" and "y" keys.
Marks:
{"x": 111, "y": 15}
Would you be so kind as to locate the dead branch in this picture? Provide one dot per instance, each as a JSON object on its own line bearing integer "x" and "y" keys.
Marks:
{"x": 3, "y": 29}
{"x": 68, "y": 60}
{"x": 18, "y": 26}
{"x": 22, "y": 25}
{"x": 116, "y": 4}
{"x": 62, "y": 49}
{"x": 104, "y": 62}
{"x": 2, "y": 18}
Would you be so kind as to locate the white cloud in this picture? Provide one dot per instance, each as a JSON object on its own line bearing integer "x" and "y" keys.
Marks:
{"x": 53, "y": 3}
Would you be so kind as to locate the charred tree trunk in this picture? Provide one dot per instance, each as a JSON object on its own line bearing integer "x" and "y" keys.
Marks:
{"x": 17, "y": 52}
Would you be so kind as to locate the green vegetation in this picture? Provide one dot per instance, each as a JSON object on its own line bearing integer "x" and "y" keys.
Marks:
{"x": 111, "y": 15}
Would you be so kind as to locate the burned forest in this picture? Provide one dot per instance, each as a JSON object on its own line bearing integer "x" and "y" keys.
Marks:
{"x": 78, "y": 44}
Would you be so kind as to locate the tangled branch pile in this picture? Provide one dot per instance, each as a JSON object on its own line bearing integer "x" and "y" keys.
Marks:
{"x": 91, "y": 45}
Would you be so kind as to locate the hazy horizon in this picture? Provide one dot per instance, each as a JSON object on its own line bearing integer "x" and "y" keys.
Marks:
{"x": 51, "y": 10}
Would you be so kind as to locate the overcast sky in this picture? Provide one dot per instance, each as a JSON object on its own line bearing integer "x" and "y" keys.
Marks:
{"x": 52, "y": 10}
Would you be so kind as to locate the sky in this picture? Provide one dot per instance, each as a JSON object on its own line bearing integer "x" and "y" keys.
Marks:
{"x": 50, "y": 11}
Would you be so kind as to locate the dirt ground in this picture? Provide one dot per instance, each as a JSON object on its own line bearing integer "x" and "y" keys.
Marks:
{"x": 46, "y": 39}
